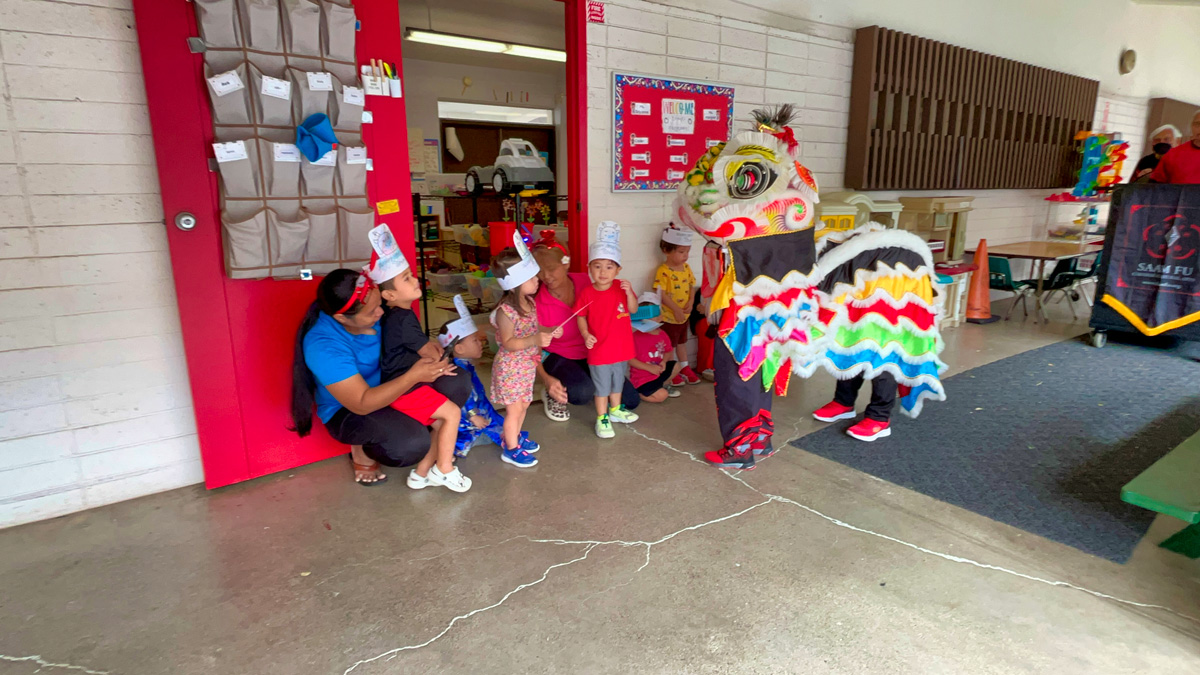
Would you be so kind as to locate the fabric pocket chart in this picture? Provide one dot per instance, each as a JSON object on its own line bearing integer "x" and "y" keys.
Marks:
{"x": 268, "y": 66}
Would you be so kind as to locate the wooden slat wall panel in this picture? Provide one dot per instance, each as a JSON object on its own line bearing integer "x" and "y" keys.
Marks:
{"x": 926, "y": 115}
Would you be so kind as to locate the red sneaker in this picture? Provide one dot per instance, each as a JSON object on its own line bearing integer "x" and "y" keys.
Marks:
{"x": 869, "y": 430}
{"x": 690, "y": 375}
{"x": 727, "y": 459}
{"x": 678, "y": 381}
{"x": 833, "y": 411}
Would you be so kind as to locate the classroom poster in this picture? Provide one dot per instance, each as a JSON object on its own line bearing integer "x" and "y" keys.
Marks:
{"x": 662, "y": 126}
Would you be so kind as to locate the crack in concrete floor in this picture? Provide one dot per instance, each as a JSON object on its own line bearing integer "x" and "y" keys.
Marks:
{"x": 590, "y": 545}
{"x": 42, "y": 663}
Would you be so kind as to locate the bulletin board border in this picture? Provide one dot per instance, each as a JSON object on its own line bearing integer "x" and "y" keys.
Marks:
{"x": 622, "y": 80}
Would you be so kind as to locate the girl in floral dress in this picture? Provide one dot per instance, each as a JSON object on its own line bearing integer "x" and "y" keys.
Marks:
{"x": 521, "y": 342}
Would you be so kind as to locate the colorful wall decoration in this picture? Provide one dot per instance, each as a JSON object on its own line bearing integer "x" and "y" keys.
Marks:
{"x": 661, "y": 127}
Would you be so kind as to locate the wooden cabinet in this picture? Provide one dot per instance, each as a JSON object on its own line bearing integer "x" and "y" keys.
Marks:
{"x": 942, "y": 221}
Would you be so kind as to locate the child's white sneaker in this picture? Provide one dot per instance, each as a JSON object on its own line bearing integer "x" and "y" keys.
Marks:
{"x": 417, "y": 482}
{"x": 455, "y": 480}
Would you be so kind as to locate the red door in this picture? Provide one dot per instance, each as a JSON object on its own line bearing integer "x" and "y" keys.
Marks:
{"x": 238, "y": 335}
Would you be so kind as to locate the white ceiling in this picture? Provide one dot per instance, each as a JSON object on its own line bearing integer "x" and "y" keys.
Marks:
{"x": 540, "y": 23}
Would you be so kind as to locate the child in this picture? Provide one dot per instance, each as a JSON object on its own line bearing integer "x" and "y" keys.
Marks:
{"x": 399, "y": 288}
{"x": 521, "y": 344}
{"x": 675, "y": 280}
{"x": 480, "y": 421}
{"x": 651, "y": 344}
{"x": 604, "y": 322}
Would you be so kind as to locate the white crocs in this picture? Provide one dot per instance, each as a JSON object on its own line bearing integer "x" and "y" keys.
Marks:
{"x": 455, "y": 480}
{"x": 416, "y": 481}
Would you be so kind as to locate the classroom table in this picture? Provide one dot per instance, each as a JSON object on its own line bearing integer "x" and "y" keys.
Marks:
{"x": 1040, "y": 252}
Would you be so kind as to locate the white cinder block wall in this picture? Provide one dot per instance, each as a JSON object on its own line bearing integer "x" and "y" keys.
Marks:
{"x": 769, "y": 65}
{"x": 94, "y": 399}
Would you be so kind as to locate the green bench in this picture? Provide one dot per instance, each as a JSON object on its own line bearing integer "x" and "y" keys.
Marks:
{"x": 1172, "y": 486}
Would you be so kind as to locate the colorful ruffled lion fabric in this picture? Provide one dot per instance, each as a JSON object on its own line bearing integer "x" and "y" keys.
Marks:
{"x": 858, "y": 302}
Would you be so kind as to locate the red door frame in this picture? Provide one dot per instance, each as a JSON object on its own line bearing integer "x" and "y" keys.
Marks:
{"x": 577, "y": 130}
{"x": 239, "y": 369}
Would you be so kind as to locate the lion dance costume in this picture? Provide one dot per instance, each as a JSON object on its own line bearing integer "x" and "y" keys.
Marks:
{"x": 788, "y": 300}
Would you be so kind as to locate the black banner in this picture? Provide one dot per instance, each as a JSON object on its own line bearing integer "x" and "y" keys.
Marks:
{"x": 1153, "y": 278}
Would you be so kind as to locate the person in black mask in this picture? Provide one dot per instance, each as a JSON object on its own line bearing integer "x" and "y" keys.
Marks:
{"x": 1162, "y": 139}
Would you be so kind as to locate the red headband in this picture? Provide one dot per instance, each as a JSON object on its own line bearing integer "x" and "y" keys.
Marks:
{"x": 362, "y": 287}
{"x": 548, "y": 241}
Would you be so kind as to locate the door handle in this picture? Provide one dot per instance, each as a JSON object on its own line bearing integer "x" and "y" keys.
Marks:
{"x": 185, "y": 221}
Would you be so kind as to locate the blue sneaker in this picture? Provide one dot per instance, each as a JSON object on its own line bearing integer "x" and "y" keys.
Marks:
{"x": 518, "y": 458}
{"x": 528, "y": 444}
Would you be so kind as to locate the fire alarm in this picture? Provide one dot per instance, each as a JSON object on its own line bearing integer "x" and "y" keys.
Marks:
{"x": 1128, "y": 61}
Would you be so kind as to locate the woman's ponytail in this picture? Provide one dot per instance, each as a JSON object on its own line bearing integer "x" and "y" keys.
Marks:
{"x": 304, "y": 385}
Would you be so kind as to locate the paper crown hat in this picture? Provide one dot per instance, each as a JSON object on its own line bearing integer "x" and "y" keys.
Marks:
{"x": 387, "y": 260}
{"x": 522, "y": 271}
{"x": 607, "y": 245}
{"x": 652, "y": 297}
{"x": 674, "y": 235}
{"x": 461, "y": 327}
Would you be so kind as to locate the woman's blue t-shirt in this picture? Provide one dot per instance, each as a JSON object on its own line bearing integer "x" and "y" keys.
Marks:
{"x": 333, "y": 355}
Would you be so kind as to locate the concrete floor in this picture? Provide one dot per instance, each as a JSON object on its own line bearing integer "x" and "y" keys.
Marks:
{"x": 609, "y": 557}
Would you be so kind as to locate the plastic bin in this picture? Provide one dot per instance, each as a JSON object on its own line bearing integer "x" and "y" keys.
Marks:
{"x": 447, "y": 282}
{"x": 486, "y": 289}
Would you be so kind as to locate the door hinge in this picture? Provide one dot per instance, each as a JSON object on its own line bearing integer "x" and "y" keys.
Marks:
{"x": 196, "y": 45}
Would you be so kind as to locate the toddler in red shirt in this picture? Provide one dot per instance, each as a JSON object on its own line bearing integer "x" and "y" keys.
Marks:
{"x": 604, "y": 310}
{"x": 650, "y": 370}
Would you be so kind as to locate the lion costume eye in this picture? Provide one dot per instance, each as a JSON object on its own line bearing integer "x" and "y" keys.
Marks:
{"x": 751, "y": 179}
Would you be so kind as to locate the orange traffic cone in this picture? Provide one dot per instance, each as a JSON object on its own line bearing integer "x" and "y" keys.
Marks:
{"x": 979, "y": 302}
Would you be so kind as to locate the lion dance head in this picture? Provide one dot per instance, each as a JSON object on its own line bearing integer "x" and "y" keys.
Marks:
{"x": 752, "y": 185}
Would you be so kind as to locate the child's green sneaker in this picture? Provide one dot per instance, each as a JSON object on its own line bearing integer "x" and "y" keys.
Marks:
{"x": 622, "y": 415}
{"x": 604, "y": 428}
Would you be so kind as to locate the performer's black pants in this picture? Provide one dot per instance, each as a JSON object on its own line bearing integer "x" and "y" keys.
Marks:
{"x": 883, "y": 395}
{"x": 737, "y": 400}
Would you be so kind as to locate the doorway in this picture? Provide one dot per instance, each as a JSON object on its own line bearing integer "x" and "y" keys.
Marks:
{"x": 487, "y": 96}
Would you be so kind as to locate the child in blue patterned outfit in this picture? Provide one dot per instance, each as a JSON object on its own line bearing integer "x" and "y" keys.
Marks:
{"x": 480, "y": 423}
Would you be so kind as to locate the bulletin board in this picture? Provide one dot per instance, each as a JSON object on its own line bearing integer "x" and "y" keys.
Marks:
{"x": 661, "y": 127}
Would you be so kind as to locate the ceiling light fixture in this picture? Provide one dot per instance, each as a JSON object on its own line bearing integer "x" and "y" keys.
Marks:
{"x": 477, "y": 44}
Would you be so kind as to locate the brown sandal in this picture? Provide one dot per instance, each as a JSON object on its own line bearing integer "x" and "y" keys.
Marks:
{"x": 373, "y": 466}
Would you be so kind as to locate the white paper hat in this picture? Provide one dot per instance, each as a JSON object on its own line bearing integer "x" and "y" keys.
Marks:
{"x": 674, "y": 235}
{"x": 461, "y": 327}
{"x": 522, "y": 271}
{"x": 652, "y": 297}
{"x": 607, "y": 245}
{"x": 387, "y": 261}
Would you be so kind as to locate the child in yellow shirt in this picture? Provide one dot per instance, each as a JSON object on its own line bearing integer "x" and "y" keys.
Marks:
{"x": 674, "y": 279}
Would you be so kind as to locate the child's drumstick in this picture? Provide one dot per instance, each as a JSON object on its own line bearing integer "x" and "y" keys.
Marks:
{"x": 572, "y": 316}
